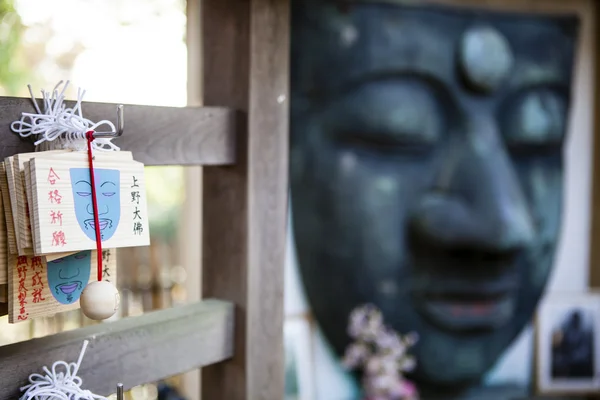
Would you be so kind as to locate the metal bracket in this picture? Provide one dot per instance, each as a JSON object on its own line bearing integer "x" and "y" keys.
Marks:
{"x": 120, "y": 126}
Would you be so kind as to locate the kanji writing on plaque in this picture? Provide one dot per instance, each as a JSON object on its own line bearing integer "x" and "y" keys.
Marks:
{"x": 106, "y": 259}
{"x": 55, "y": 215}
{"x": 19, "y": 191}
{"x": 138, "y": 227}
{"x": 42, "y": 288}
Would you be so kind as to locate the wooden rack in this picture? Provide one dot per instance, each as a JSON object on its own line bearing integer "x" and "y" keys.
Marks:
{"x": 236, "y": 333}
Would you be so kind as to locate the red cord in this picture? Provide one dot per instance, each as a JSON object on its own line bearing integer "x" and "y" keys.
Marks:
{"x": 90, "y": 139}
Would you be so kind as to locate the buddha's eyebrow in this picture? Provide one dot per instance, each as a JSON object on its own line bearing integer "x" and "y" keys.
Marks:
{"x": 78, "y": 182}
{"x": 112, "y": 183}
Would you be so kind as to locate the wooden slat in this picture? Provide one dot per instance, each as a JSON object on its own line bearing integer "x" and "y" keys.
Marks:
{"x": 246, "y": 67}
{"x": 594, "y": 261}
{"x": 155, "y": 135}
{"x": 132, "y": 351}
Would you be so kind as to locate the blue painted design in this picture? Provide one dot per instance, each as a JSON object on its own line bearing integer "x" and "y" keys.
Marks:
{"x": 108, "y": 192}
{"x": 68, "y": 276}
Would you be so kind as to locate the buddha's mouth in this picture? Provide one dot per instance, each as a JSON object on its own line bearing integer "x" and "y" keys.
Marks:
{"x": 467, "y": 310}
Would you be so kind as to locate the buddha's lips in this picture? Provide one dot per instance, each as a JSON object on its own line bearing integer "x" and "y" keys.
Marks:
{"x": 468, "y": 311}
{"x": 68, "y": 288}
{"x": 103, "y": 222}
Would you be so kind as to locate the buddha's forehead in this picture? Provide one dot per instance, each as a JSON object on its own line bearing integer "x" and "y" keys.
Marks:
{"x": 339, "y": 44}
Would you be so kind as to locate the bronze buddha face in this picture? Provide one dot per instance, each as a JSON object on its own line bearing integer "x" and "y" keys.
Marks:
{"x": 427, "y": 171}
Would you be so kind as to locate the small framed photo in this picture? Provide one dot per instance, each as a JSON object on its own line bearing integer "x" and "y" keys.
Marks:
{"x": 568, "y": 333}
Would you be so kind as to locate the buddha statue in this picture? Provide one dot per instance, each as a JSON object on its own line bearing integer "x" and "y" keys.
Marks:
{"x": 427, "y": 172}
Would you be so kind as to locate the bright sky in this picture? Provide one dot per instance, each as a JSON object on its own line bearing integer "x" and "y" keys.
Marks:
{"x": 133, "y": 51}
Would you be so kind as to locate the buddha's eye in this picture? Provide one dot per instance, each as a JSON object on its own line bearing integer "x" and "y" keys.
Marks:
{"x": 393, "y": 115}
{"x": 533, "y": 122}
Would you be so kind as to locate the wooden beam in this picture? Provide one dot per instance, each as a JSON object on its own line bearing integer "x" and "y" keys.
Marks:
{"x": 594, "y": 262}
{"x": 132, "y": 351}
{"x": 155, "y": 135}
{"x": 246, "y": 62}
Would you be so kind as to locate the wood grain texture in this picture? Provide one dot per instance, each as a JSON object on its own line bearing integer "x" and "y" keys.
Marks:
{"x": 132, "y": 351}
{"x": 268, "y": 126}
{"x": 23, "y": 229}
{"x": 155, "y": 135}
{"x": 594, "y": 267}
{"x": 7, "y": 209}
{"x": 13, "y": 237}
{"x": 27, "y": 185}
{"x": 3, "y": 245}
{"x": 246, "y": 67}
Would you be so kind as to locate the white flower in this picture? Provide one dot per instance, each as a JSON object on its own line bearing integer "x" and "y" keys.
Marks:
{"x": 356, "y": 354}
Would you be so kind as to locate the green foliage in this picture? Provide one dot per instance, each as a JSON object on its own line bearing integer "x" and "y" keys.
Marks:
{"x": 165, "y": 190}
{"x": 13, "y": 73}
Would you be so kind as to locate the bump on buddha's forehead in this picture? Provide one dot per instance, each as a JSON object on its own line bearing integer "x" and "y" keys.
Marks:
{"x": 337, "y": 43}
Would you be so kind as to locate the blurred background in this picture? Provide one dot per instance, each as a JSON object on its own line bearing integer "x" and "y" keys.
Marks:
{"x": 147, "y": 52}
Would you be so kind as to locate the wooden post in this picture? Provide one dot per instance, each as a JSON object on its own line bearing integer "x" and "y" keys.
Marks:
{"x": 246, "y": 64}
{"x": 594, "y": 261}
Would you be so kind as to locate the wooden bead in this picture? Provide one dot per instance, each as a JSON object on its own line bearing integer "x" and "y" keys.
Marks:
{"x": 99, "y": 300}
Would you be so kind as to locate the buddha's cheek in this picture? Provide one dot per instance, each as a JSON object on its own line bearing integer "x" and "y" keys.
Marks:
{"x": 543, "y": 184}
{"x": 368, "y": 199}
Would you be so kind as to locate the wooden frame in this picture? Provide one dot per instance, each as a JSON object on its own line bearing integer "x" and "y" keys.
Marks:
{"x": 134, "y": 350}
{"x": 594, "y": 262}
{"x": 550, "y": 321}
{"x": 240, "y": 336}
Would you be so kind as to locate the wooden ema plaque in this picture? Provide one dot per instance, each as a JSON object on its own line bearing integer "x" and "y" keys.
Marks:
{"x": 16, "y": 183}
{"x": 10, "y": 203}
{"x": 38, "y": 287}
{"x": 3, "y": 252}
{"x": 62, "y": 210}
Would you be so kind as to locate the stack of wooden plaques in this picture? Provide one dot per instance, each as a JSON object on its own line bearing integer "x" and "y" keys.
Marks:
{"x": 47, "y": 230}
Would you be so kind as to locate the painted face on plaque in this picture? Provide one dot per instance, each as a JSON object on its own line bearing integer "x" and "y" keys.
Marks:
{"x": 108, "y": 195}
{"x": 68, "y": 276}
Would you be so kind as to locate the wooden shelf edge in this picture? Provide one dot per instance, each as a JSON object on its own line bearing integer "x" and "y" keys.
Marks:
{"x": 132, "y": 351}
{"x": 155, "y": 135}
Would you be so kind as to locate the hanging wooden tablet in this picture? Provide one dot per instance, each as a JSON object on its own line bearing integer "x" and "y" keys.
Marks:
{"x": 40, "y": 288}
{"x": 22, "y": 220}
{"x": 62, "y": 207}
{"x": 8, "y": 164}
{"x": 69, "y": 204}
{"x": 3, "y": 247}
{"x": 8, "y": 217}
{"x": 68, "y": 155}
{"x": 27, "y": 187}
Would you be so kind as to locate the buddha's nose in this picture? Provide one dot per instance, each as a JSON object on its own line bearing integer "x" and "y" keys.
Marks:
{"x": 477, "y": 200}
